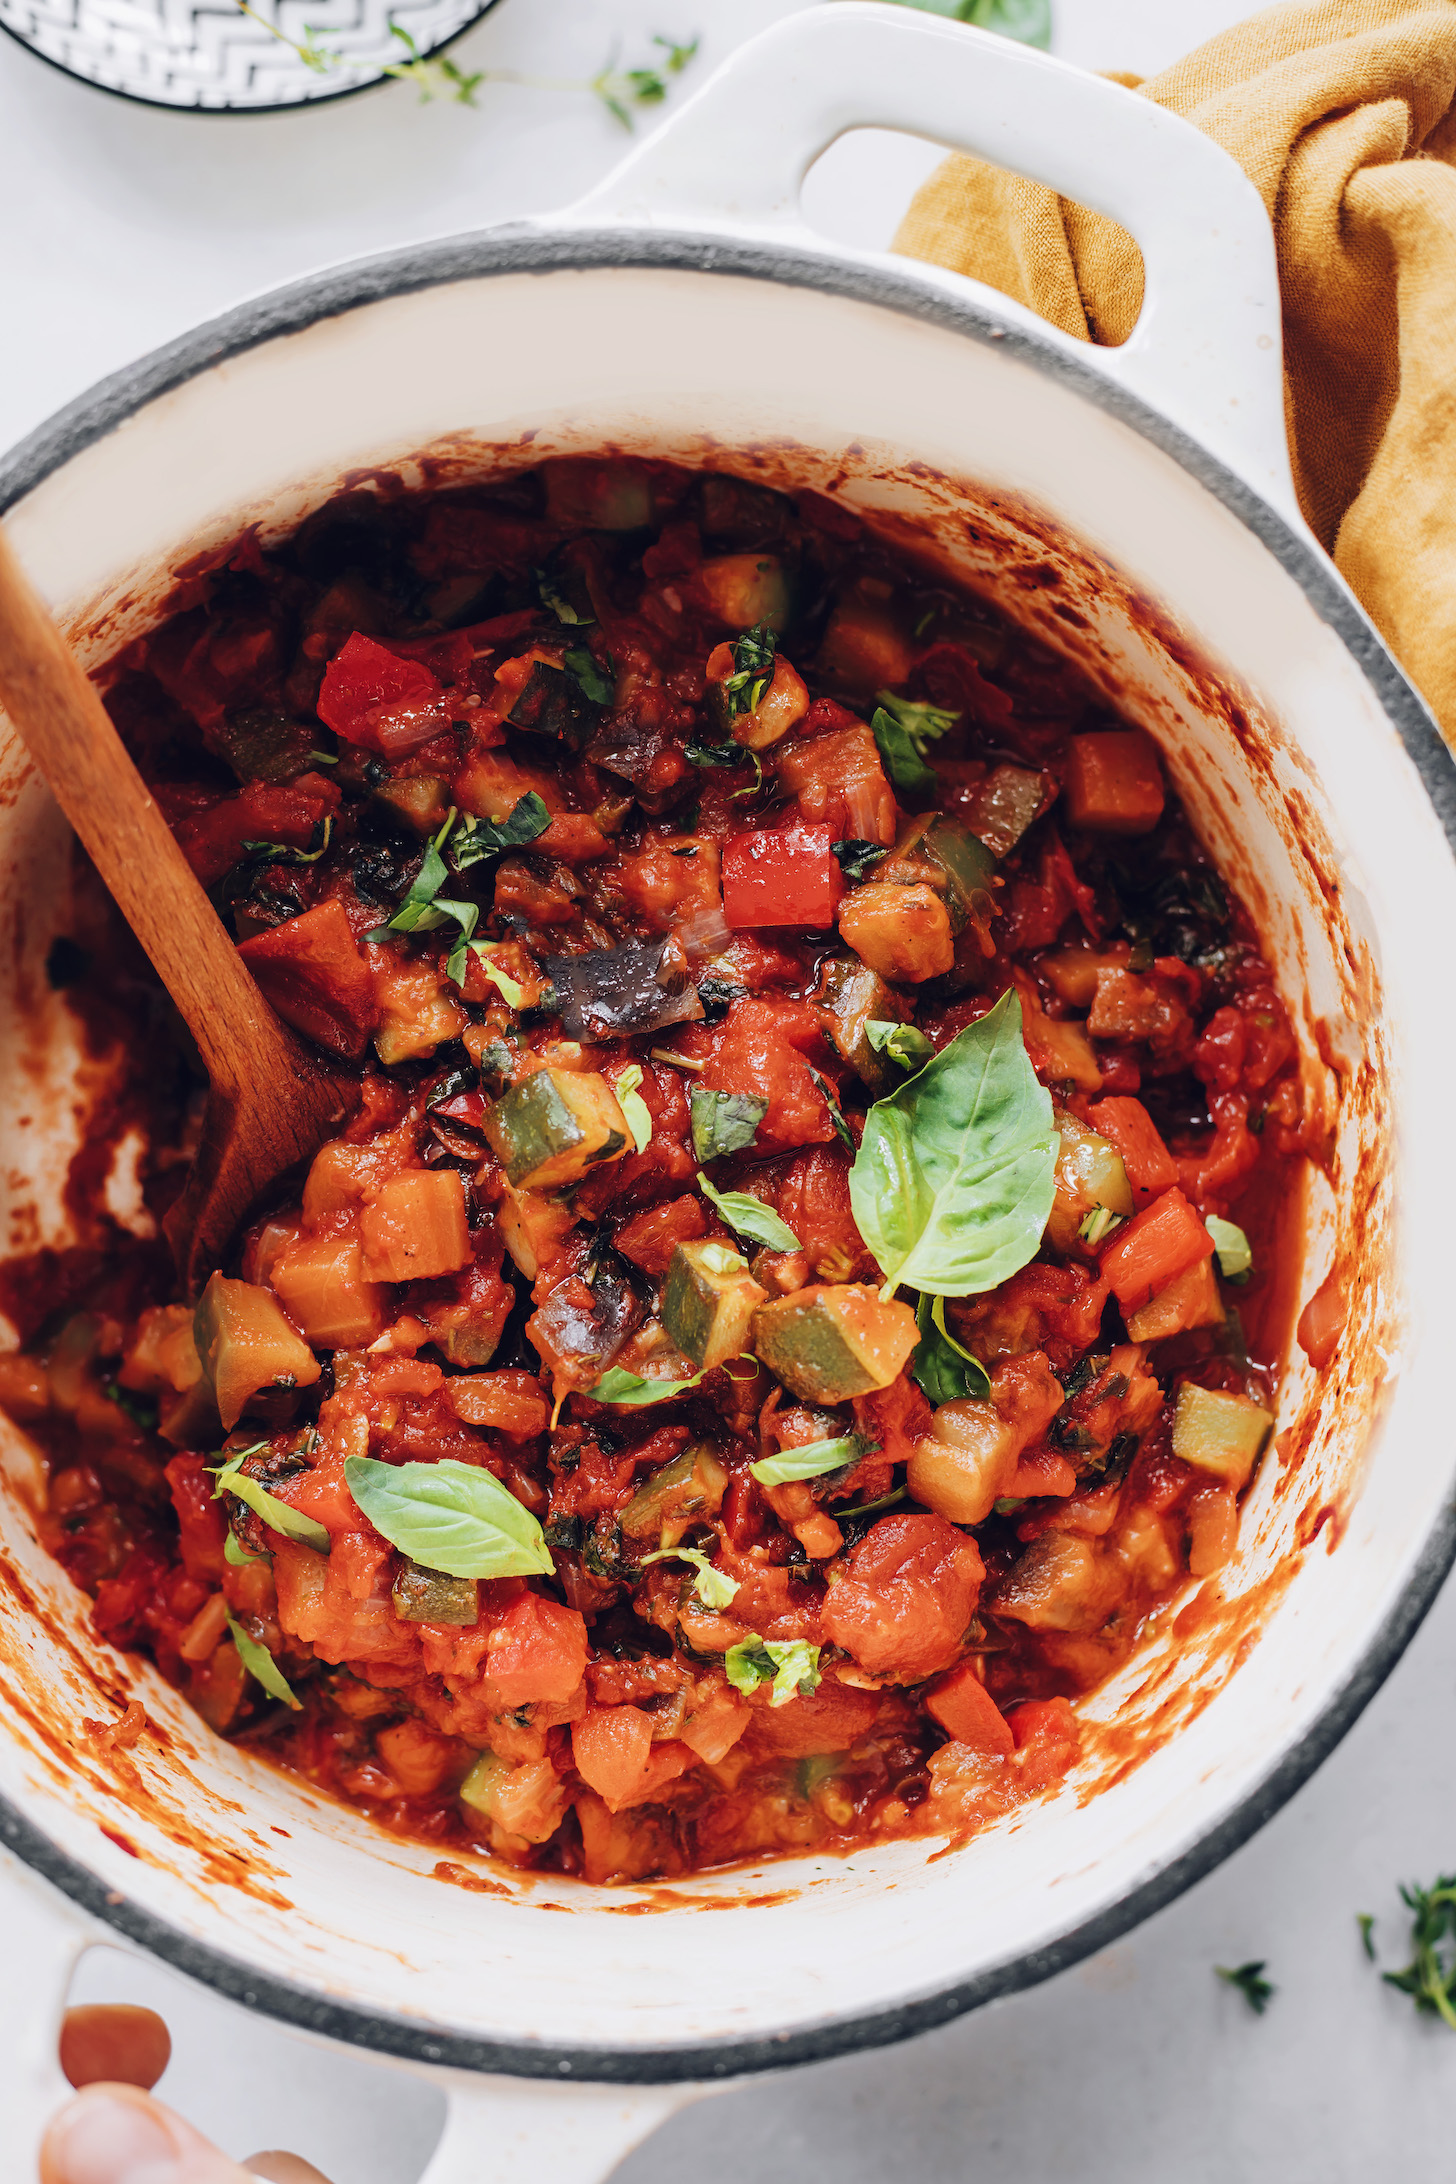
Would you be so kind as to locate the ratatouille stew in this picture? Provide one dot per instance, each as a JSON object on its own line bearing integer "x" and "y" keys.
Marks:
{"x": 799, "y": 1283}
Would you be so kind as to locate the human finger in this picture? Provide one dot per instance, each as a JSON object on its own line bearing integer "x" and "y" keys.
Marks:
{"x": 114, "y": 2134}
{"x": 285, "y": 2169}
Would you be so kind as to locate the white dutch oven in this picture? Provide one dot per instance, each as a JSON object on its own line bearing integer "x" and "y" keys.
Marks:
{"x": 1132, "y": 507}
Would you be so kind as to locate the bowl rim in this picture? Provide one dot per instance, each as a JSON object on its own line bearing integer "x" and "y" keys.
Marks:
{"x": 524, "y": 249}
{"x": 230, "y": 112}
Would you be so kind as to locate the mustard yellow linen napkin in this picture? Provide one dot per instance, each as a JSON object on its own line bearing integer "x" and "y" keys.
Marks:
{"x": 1341, "y": 113}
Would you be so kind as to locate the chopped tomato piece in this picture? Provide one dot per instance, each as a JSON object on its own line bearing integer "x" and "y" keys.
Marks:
{"x": 1047, "y": 1736}
{"x": 966, "y": 1710}
{"x": 1127, "y": 1124}
{"x": 1157, "y": 1245}
{"x": 611, "y": 1747}
{"x": 372, "y": 697}
{"x": 781, "y": 876}
{"x": 536, "y": 1652}
{"x": 906, "y": 1597}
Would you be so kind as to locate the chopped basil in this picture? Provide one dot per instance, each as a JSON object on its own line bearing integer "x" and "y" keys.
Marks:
{"x": 749, "y": 1216}
{"x": 714, "y": 1587}
{"x": 813, "y": 1461}
{"x": 902, "y": 729}
{"x": 619, "y": 1386}
{"x": 481, "y": 838}
{"x": 940, "y": 1366}
{"x": 424, "y": 907}
{"x": 836, "y": 1113}
{"x": 1256, "y": 1990}
{"x": 511, "y": 991}
{"x": 1100, "y": 1222}
{"x": 856, "y": 858}
{"x": 276, "y": 1514}
{"x": 597, "y": 686}
{"x": 753, "y": 670}
{"x": 1235, "y": 1259}
{"x": 280, "y": 852}
{"x": 724, "y": 1122}
{"x": 634, "y": 1107}
{"x": 259, "y": 1663}
{"x": 906, "y": 1044}
{"x": 234, "y": 1552}
{"x": 449, "y": 1516}
{"x": 954, "y": 1179}
{"x": 791, "y": 1665}
{"x": 561, "y": 607}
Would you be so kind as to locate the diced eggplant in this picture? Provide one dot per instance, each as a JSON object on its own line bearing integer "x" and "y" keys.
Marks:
{"x": 724, "y": 1122}
{"x": 554, "y": 1125}
{"x": 708, "y": 1301}
{"x": 683, "y": 1492}
{"x": 899, "y": 933}
{"x": 1090, "y": 1180}
{"x": 964, "y": 865}
{"x": 965, "y": 1462}
{"x": 849, "y": 997}
{"x": 261, "y": 745}
{"x": 835, "y": 1340}
{"x": 1062, "y": 1583}
{"x": 1220, "y": 1433}
{"x": 582, "y": 1341}
{"x": 1004, "y": 805}
{"x": 419, "y": 802}
{"x": 615, "y": 993}
{"x": 246, "y": 1344}
{"x": 552, "y": 704}
{"x": 429, "y": 1596}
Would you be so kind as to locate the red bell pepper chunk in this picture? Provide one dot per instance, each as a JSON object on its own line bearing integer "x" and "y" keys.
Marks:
{"x": 373, "y": 697}
{"x": 1158, "y": 1245}
{"x": 781, "y": 876}
{"x": 966, "y": 1710}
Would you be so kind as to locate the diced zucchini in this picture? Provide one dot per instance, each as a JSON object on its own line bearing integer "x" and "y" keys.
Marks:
{"x": 965, "y": 1462}
{"x": 1219, "y": 1433}
{"x": 526, "y": 1803}
{"x": 680, "y": 1494}
{"x": 1090, "y": 1176}
{"x": 707, "y": 1302}
{"x": 554, "y": 1125}
{"x": 261, "y": 745}
{"x": 724, "y": 1122}
{"x": 419, "y": 802}
{"x": 965, "y": 866}
{"x": 850, "y": 996}
{"x": 742, "y": 590}
{"x": 428, "y": 1596}
{"x": 552, "y": 704}
{"x": 245, "y": 1343}
{"x": 834, "y": 1340}
{"x": 1072, "y": 973}
{"x": 1191, "y": 1299}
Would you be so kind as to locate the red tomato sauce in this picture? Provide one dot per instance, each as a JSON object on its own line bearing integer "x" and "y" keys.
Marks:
{"x": 613, "y": 828}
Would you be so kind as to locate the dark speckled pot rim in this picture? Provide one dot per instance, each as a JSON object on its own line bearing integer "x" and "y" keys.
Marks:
{"x": 534, "y": 251}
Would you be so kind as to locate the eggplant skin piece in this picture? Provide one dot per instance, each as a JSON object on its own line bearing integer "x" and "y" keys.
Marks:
{"x": 620, "y": 992}
{"x": 553, "y": 704}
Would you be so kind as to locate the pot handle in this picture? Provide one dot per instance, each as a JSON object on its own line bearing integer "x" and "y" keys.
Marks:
{"x": 1206, "y": 349}
{"x": 524, "y": 2131}
{"x": 47, "y": 1934}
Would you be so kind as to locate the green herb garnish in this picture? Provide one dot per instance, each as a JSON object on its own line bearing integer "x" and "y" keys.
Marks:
{"x": 753, "y": 670}
{"x": 450, "y": 1516}
{"x": 595, "y": 685}
{"x": 906, "y": 1044}
{"x": 902, "y": 730}
{"x": 1235, "y": 1259}
{"x": 836, "y": 1113}
{"x": 1029, "y": 21}
{"x": 560, "y": 606}
{"x": 259, "y": 1663}
{"x": 856, "y": 858}
{"x": 954, "y": 1179}
{"x": 714, "y": 1587}
{"x": 634, "y": 1107}
{"x": 234, "y": 1552}
{"x": 483, "y": 838}
{"x": 631, "y": 1390}
{"x": 813, "y": 1461}
{"x": 941, "y": 1367}
{"x": 621, "y": 89}
{"x": 1366, "y": 1925}
{"x": 1100, "y": 1222}
{"x": 276, "y": 1514}
{"x": 1251, "y": 1983}
{"x": 1430, "y": 1977}
{"x": 724, "y": 1122}
{"x": 749, "y": 1216}
{"x": 281, "y": 853}
{"x": 791, "y": 1665}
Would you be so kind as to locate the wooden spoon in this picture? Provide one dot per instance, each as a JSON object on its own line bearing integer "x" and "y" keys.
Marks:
{"x": 271, "y": 1103}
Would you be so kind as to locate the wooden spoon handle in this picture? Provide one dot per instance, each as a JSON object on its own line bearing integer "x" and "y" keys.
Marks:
{"x": 68, "y": 732}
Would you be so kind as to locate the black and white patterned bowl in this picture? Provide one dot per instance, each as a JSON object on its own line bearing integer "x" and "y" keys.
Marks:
{"x": 212, "y": 58}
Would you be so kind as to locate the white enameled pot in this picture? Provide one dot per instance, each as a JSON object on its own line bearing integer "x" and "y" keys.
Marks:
{"x": 1132, "y": 507}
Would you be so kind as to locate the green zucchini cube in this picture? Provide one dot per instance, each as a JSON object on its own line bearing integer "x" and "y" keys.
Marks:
{"x": 850, "y": 995}
{"x": 834, "y": 1340}
{"x": 1219, "y": 1433}
{"x": 429, "y": 1596}
{"x": 708, "y": 1301}
{"x": 682, "y": 1493}
{"x": 554, "y": 1125}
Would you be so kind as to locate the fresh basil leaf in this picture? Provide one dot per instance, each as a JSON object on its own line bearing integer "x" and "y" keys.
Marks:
{"x": 450, "y": 1516}
{"x": 856, "y": 858}
{"x": 482, "y": 838}
{"x": 906, "y": 1044}
{"x": 753, "y": 669}
{"x": 714, "y": 1587}
{"x": 598, "y": 688}
{"x": 1029, "y": 21}
{"x": 561, "y": 607}
{"x": 280, "y": 853}
{"x": 941, "y": 1368}
{"x": 234, "y": 1552}
{"x": 1235, "y": 1259}
{"x": 812, "y": 1461}
{"x": 276, "y": 1514}
{"x": 511, "y": 991}
{"x": 954, "y": 1179}
{"x": 724, "y": 1122}
{"x": 260, "y": 1664}
{"x": 749, "y": 1216}
{"x": 634, "y": 1107}
{"x": 715, "y": 754}
{"x": 791, "y": 1665}
{"x": 902, "y": 729}
{"x": 836, "y": 1113}
{"x": 630, "y": 1389}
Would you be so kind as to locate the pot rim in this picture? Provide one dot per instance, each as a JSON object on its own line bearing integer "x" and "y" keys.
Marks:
{"x": 543, "y": 250}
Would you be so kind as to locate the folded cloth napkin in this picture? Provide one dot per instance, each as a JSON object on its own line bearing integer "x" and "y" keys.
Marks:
{"x": 1341, "y": 113}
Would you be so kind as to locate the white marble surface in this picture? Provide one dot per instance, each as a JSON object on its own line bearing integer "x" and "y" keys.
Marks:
{"x": 126, "y": 226}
